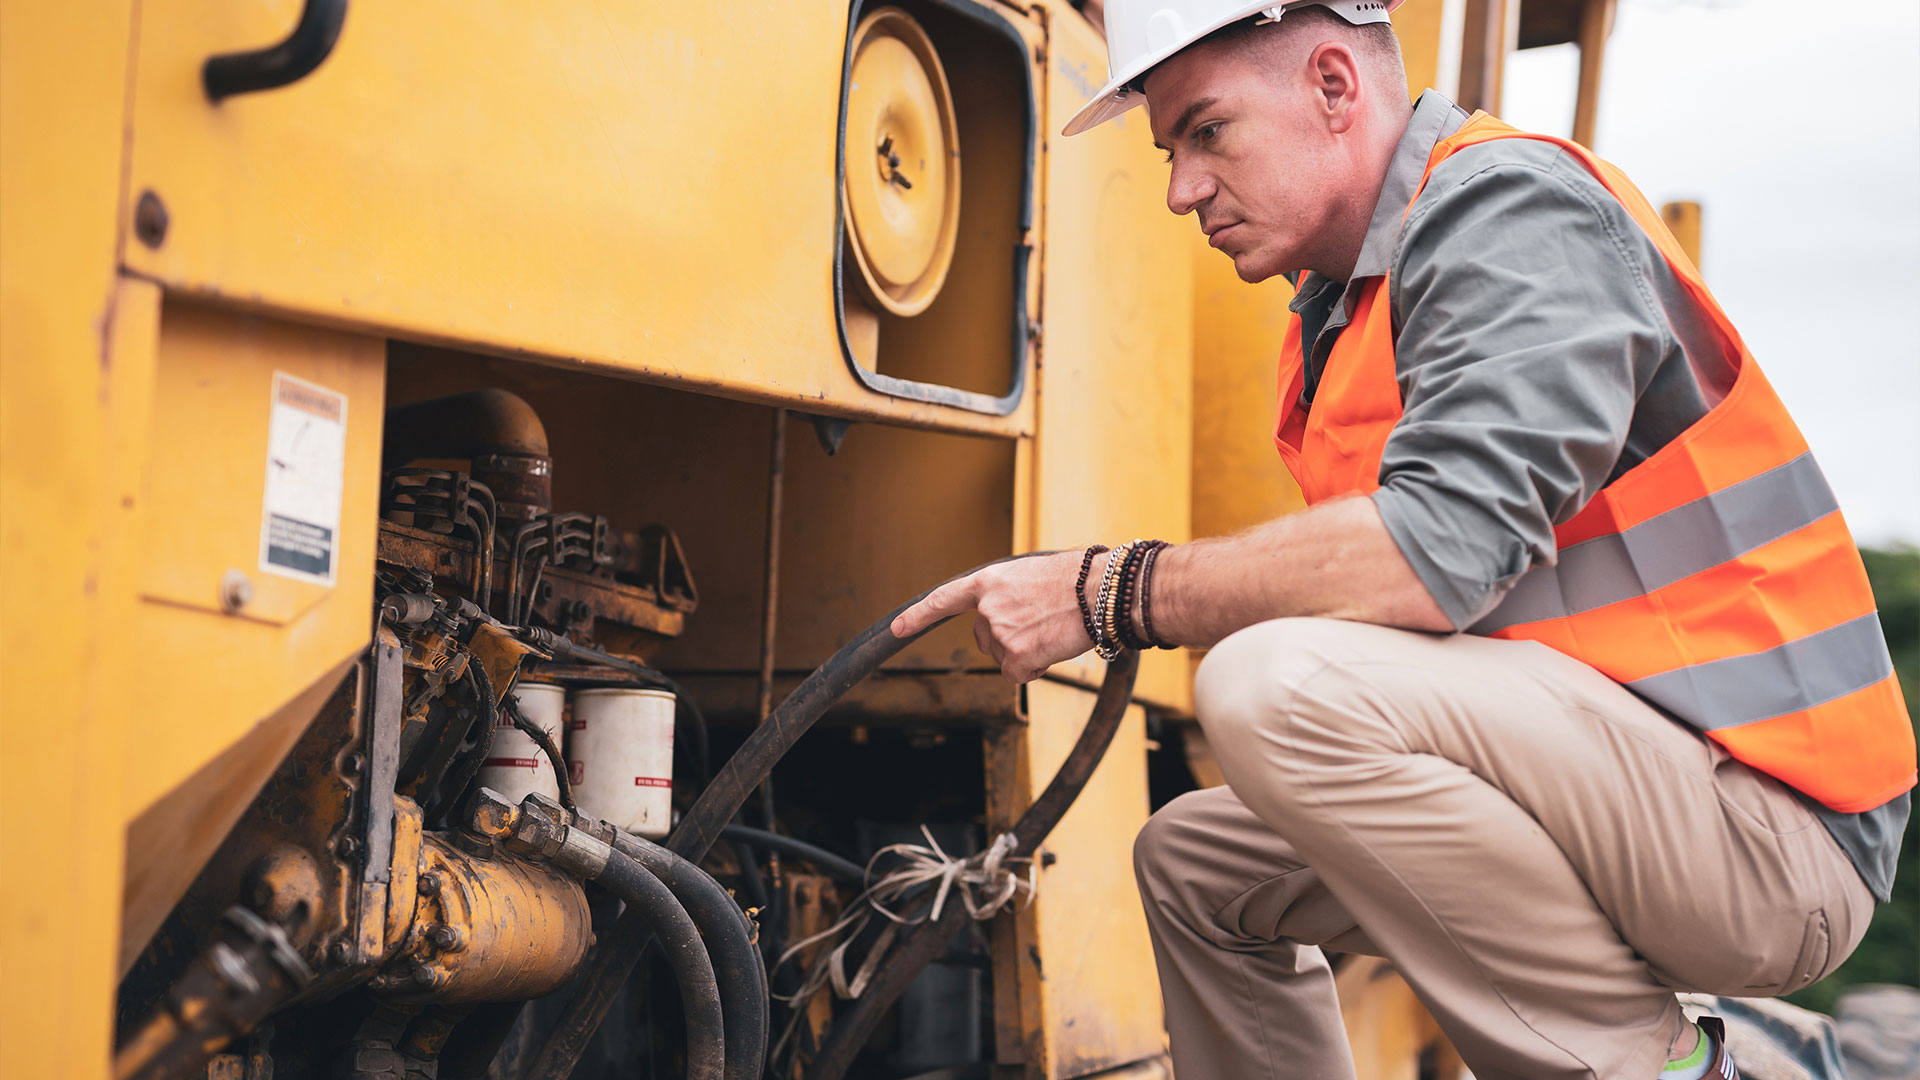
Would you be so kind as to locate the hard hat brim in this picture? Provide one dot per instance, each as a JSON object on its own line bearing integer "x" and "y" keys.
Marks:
{"x": 1115, "y": 99}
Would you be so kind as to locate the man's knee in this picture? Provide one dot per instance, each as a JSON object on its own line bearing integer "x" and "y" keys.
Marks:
{"x": 1163, "y": 845}
{"x": 1255, "y": 678}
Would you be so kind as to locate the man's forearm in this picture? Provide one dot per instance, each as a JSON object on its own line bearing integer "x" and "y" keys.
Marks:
{"x": 1335, "y": 560}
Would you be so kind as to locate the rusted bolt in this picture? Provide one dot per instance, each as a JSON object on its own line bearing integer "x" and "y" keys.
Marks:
{"x": 427, "y": 976}
{"x": 347, "y": 847}
{"x": 340, "y": 951}
{"x": 150, "y": 219}
{"x": 236, "y": 591}
{"x": 353, "y": 763}
{"x": 442, "y": 936}
{"x": 429, "y": 884}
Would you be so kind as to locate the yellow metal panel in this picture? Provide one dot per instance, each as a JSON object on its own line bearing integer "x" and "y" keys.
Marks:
{"x": 205, "y": 678}
{"x": 1420, "y": 26}
{"x": 1238, "y": 478}
{"x": 62, "y": 88}
{"x": 644, "y": 188}
{"x": 1114, "y": 433}
{"x": 1081, "y": 975}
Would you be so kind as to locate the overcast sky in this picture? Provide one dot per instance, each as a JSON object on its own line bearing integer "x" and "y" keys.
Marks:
{"x": 1797, "y": 126}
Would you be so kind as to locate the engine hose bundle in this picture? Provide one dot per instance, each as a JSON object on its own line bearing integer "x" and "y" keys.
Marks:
{"x": 736, "y": 960}
{"x": 742, "y": 775}
{"x": 649, "y": 900}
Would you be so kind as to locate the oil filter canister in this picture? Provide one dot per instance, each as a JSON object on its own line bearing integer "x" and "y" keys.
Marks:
{"x": 620, "y": 758}
{"x": 516, "y": 767}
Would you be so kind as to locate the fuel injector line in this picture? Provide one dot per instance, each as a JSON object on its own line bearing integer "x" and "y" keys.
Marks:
{"x": 835, "y": 865}
{"x": 928, "y": 940}
{"x": 729, "y": 941}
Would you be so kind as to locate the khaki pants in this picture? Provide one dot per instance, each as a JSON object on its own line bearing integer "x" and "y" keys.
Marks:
{"x": 1542, "y": 856}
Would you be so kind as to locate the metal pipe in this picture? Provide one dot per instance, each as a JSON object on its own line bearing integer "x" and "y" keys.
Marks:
{"x": 497, "y": 431}
{"x": 729, "y": 941}
{"x": 770, "y": 599}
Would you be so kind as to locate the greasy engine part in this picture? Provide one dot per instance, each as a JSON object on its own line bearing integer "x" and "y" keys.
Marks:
{"x": 722, "y": 799}
{"x": 498, "y": 431}
{"x": 247, "y": 969}
{"x": 485, "y": 929}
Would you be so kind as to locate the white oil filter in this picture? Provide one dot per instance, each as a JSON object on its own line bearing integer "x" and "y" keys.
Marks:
{"x": 516, "y": 767}
{"x": 620, "y": 758}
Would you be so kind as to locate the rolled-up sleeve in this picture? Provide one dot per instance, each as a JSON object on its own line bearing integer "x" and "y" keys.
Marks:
{"x": 1527, "y": 330}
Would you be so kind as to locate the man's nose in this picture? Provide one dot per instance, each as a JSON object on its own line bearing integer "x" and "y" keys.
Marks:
{"x": 1187, "y": 188}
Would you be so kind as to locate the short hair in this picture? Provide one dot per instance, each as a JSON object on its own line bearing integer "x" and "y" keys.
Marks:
{"x": 1373, "y": 41}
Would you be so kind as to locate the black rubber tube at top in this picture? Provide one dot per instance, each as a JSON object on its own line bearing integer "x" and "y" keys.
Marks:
{"x": 729, "y": 941}
{"x": 649, "y": 901}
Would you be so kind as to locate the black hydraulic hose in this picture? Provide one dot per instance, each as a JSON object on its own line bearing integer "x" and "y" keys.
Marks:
{"x": 729, "y": 942}
{"x": 649, "y": 900}
{"x": 834, "y": 865}
{"x": 929, "y": 939}
{"x": 717, "y": 805}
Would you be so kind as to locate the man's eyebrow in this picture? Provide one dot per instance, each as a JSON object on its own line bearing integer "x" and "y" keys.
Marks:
{"x": 1187, "y": 114}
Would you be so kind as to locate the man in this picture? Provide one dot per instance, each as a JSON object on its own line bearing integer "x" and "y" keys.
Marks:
{"x": 1567, "y": 691}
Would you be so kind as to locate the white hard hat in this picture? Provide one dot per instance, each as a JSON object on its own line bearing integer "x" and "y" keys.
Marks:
{"x": 1142, "y": 33}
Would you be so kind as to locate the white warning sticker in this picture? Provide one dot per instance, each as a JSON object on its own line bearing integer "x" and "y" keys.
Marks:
{"x": 306, "y": 470}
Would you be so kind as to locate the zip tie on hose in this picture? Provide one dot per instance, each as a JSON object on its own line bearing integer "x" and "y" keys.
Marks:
{"x": 986, "y": 883}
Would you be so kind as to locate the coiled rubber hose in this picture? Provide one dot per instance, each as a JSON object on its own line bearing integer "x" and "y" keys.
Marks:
{"x": 741, "y": 776}
{"x": 650, "y": 902}
{"x": 729, "y": 941}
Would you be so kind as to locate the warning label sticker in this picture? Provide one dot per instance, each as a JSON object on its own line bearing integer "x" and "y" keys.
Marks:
{"x": 306, "y": 470}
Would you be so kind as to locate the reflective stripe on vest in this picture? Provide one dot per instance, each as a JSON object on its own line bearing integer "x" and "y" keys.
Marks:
{"x": 1716, "y": 580}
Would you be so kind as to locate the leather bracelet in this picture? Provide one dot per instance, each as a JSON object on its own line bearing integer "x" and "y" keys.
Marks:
{"x": 1146, "y": 595}
{"x": 1080, "y": 593}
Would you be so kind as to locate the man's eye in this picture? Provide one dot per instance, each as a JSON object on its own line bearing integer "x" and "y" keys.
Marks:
{"x": 1207, "y": 132}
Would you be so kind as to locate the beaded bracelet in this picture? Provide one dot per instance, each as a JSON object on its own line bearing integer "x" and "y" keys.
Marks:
{"x": 1080, "y": 592}
{"x": 1107, "y": 645}
{"x": 1129, "y": 582}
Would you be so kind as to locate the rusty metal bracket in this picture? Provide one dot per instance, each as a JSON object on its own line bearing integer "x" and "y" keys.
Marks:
{"x": 383, "y": 750}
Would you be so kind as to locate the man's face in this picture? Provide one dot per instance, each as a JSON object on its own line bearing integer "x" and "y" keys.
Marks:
{"x": 1248, "y": 156}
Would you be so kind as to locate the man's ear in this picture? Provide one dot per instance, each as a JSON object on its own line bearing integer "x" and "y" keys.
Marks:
{"x": 1335, "y": 76}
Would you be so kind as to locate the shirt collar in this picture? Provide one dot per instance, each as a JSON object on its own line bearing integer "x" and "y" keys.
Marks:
{"x": 1434, "y": 118}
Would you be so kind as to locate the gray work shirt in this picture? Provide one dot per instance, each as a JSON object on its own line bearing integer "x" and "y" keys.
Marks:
{"x": 1543, "y": 347}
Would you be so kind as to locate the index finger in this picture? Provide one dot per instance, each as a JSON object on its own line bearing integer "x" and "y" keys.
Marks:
{"x": 947, "y": 600}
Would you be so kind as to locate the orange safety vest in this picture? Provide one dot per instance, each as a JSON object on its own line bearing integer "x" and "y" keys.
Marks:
{"x": 1715, "y": 580}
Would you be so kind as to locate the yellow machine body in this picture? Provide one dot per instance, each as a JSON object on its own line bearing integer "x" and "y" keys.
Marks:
{"x": 627, "y": 215}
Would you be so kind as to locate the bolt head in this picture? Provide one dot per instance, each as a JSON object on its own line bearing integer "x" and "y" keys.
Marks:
{"x": 150, "y": 220}
{"x": 442, "y": 936}
{"x": 429, "y": 884}
{"x": 353, "y": 763}
{"x": 340, "y": 951}
{"x": 347, "y": 847}
{"x": 236, "y": 591}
